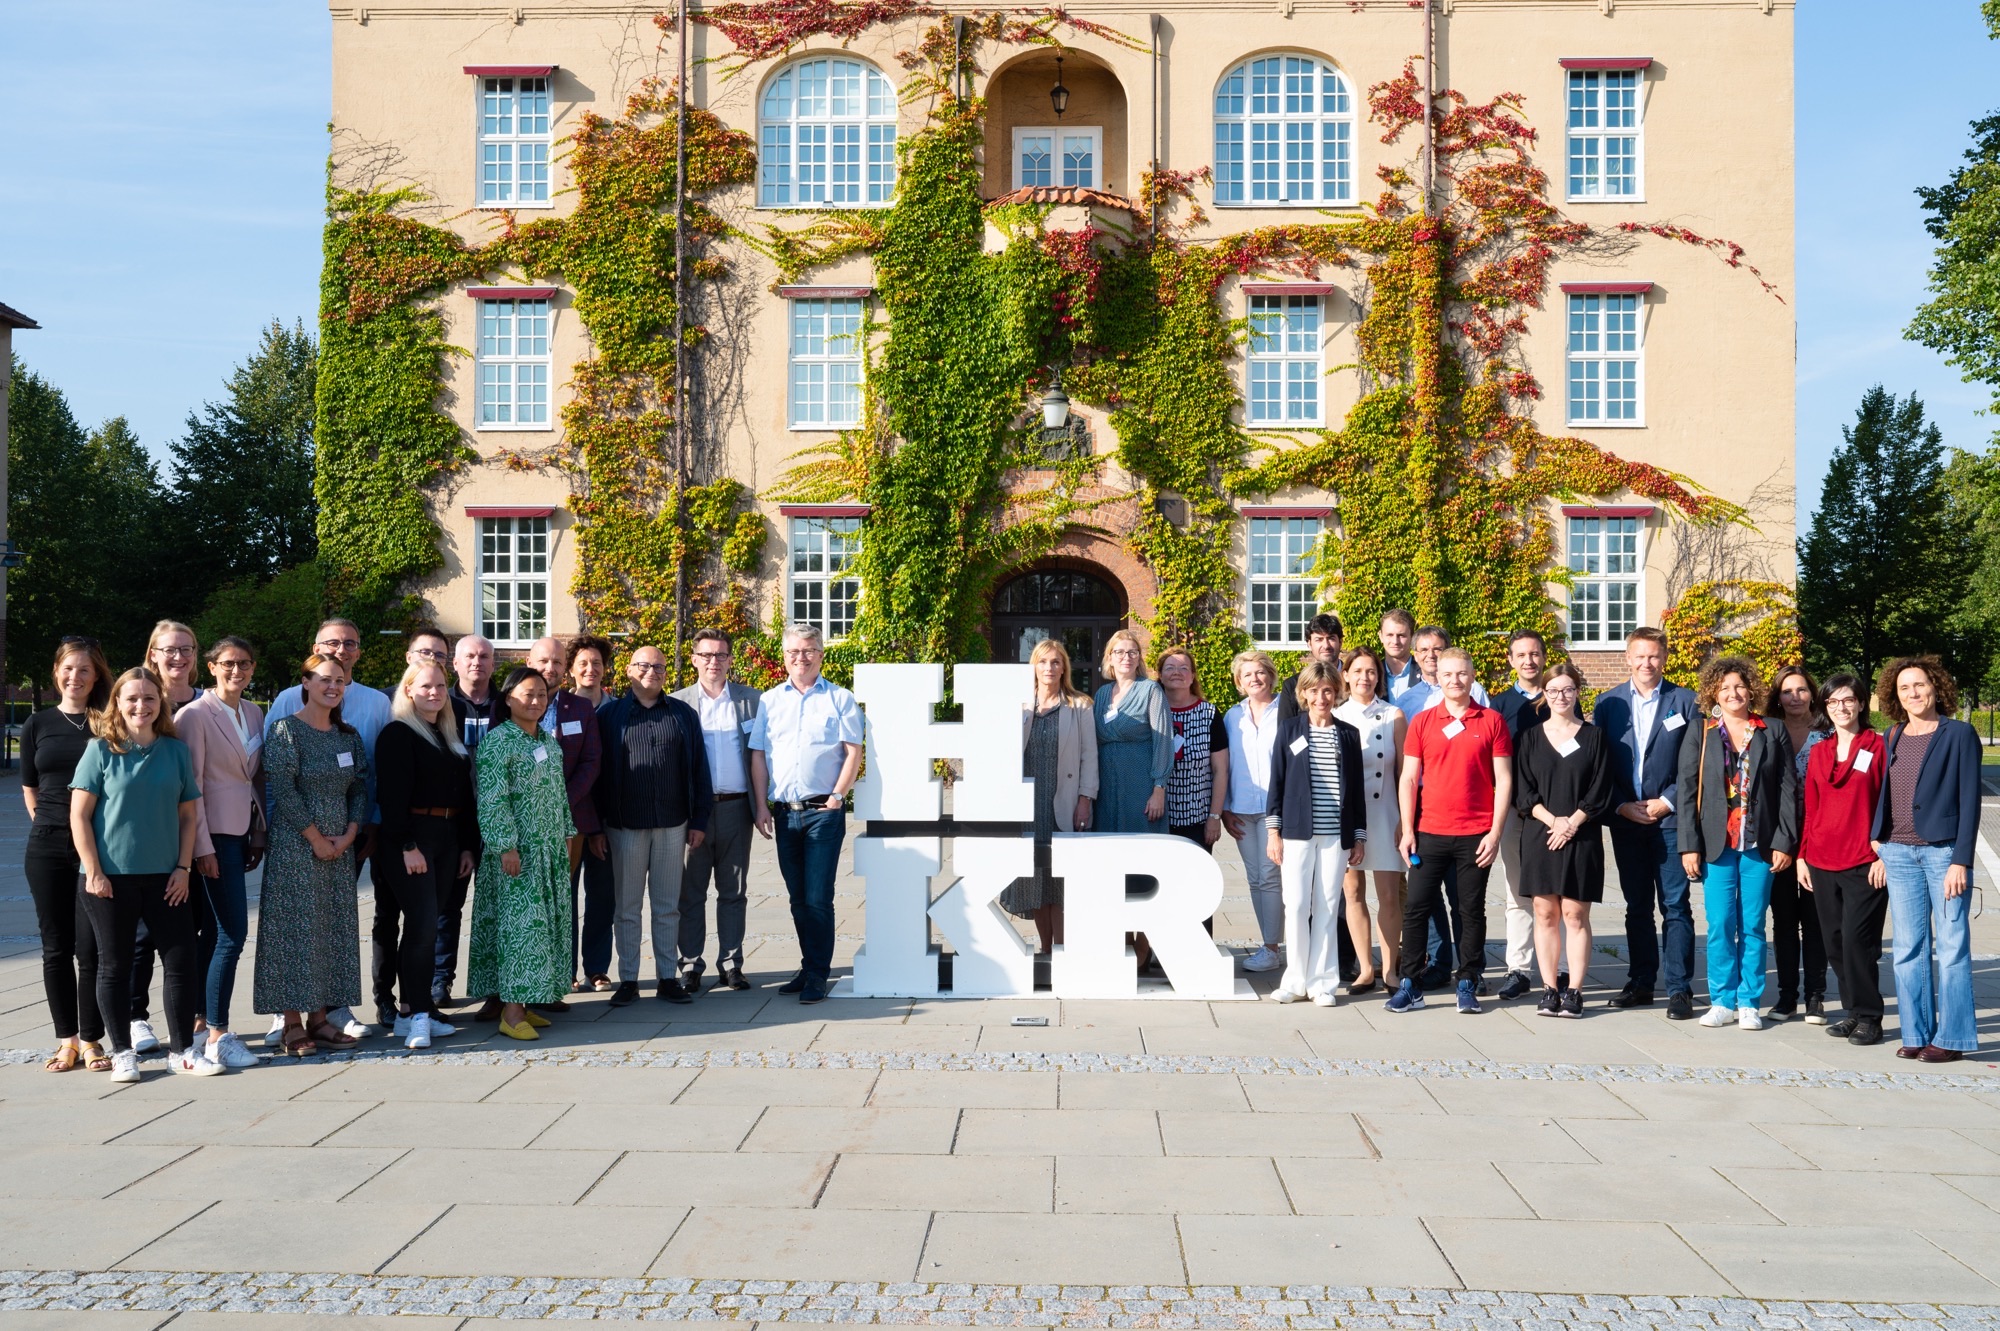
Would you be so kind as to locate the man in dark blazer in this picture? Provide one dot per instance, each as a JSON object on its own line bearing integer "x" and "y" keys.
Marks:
{"x": 726, "y": 709}
{"x": 1646, "y": 719}
{"x": 1323, "y": 640}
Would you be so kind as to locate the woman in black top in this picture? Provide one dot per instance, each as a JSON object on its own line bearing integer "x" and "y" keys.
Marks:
{"x": 1562, "y": 790}
{"x": 429, "y": 831}
{"x": 51, "y": 744}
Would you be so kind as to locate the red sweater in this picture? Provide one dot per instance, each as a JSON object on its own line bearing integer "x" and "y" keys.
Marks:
{"x": 1840, "y": 802}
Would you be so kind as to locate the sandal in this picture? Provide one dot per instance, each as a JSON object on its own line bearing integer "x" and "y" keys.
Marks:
{"x": 94, "y": 1057}
{"x": 297, "y": 1043}
{"x": 65, "y": 1059}
{"x": 325, "y": 1033}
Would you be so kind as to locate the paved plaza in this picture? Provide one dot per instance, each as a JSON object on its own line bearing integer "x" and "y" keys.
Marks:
{"x": 748, "y": 1159}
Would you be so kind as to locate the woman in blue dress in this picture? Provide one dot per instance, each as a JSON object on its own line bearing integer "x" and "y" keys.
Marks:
{"x": 1135, "y": 743}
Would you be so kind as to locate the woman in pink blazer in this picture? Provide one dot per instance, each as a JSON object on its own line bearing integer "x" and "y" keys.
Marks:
{"x": 224, "y": 732}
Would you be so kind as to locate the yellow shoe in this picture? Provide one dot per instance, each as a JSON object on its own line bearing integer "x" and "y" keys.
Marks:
{"x": 536, "y": 1019}
{"x": 525, "y": 1031}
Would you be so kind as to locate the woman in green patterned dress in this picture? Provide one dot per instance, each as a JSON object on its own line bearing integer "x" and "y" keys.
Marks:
{"x": 520, "y": 902}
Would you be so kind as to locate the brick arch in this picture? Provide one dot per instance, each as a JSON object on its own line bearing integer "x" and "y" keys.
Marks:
{"x": 1104, "y": 557}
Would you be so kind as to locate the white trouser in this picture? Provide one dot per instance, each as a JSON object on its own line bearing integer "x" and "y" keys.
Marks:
{"x": 647, "y": 860}
{"x": 1520, "y": 909}
{"x": 1266, "y": 892}
{"x": 1313, "y": 873}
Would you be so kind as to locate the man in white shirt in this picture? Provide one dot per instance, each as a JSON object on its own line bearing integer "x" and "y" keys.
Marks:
{"x": 727, "y": 710}
{"x": 1524, "y": 707}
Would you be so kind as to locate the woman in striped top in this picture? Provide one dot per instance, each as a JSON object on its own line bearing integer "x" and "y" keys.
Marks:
{"x": 1316, "y": 815}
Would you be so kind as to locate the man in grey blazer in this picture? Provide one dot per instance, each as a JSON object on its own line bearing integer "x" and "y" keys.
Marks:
{"x": 726, "y": 709}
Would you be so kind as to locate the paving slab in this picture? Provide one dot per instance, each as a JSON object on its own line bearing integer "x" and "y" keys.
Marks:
{"x": 462, "y": 1175}
{"x": 82, "y": 1171}
{"x": 1398, "y": 1188}
{"x": 285, "y": 1236}
{"x": 622, "y": 1127}
{"x": 1396, "y": 1096}
{"x": 1545, "y": 1099}
{"x": 724, "y": 1178}
{"x": 1225, "y": 1132}
{"x": 1151, "y": 1090}
{"x": 1142, "y": 1185}
{"x": 1053, "y": 1249}
{"x": 1727, "y": 1143}
{"x": 780, "y": 1086}
{"x": 108, "y": 1320}
{"x": 1923, "y": 1150}
{"x": 1815, "y": 1196}
{"x": 683, "y": 1037}
{"x": 752, "y": 1243}
{"x": 70, "y": 1234}
{"x": 426, "y": 1083}
{"x": 866, "y": 1182}
{"x": 1578, "y": 1256}
{"x": 1685, "y": 1102}
{"x": 1902, "y": 1109}
{"x": 480, "y": 1240}
{"x": 1820, "y": 1262}
{"x": 1453, "y": 1137}
{"x": 422, "y": 1123}
{"x": 1312, "y": 1250}
{"x": 247, "y": 1123}
{"x": 55, "y": 1123}
{"x": 965, "y": 1090}
{"x": 263, "y": 1321}
{"x": 598, "y": 1086}
{"x": 898, "y": 1131}
{"x": 222, "y": 1172}
{"x": 1123, "y": 1132}
{"x": 1636, "y": 1189}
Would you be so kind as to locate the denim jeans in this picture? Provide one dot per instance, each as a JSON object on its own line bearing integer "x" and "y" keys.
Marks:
{"x": 1735, "y": 895}
{"x": 222, "y": 926}
{"x": 809, "y": 843}
{"x": 1649, "y": 870}
{"x": 444, "y": 957}
{"x": 1936, "y": 1014}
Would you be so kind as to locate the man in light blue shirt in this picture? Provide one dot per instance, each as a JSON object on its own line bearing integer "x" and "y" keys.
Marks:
{"x": 1424, "y": 693}
{"x": 1400, "y": 672}
{"x": 805, "y": 754}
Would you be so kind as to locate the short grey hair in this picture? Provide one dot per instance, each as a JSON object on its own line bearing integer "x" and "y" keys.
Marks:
{"x": 805, "y": 633}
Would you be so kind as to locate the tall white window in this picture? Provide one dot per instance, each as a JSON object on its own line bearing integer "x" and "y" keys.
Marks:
{"x": 828, "y": 134}
{"x": 514, "y": 142}
{"x": 1284, "y": 360}
{"x": 1284, "y": 589}
{"x": 1604, "y": 594}
{"x": 826, "y": 363}
{"x": 1604, "y": 133}
{"x": 1284, "y": 133}
{"x": 1065, "y": 155}
{"x": 513, "y": 365}
{"x": 513, "y": 580}
{"x": 1605, "y": 364}
{"x": 826, "y": 585}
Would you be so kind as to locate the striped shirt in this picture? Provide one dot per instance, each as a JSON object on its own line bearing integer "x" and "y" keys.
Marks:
{"x": 1325, "y": 756}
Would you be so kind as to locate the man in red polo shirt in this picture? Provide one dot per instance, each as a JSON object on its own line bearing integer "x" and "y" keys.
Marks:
{"x": 1458, "y": 774}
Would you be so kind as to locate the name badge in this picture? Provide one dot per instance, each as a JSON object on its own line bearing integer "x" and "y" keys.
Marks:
{"x": 1300, "y": 744}
{"x": 1567, "y": 747}
{"x": 541, "y": 753}
{"x": 572, "y": 727}
{"x": 1864, "y": 759}
{"x": 1454, "y": 730}
{"x": 1675, "y": 722}
{"x": 344, "y": 759}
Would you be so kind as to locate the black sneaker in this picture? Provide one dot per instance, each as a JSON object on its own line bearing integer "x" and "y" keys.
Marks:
{"x": 1815, "y": 1010}
{"x": 626, "y": 994}
{"x": 1572, "y": 1003}
{"x": 1843, "y": 1028}
{"x": 1680, "y": 1007}
{"x": 1783, "y": 1010}
{"x": 1514, "y": 985}
{"x": 1867, "y": 1030}
{"x": 1551, "y": 1004}
{"x": 1633, "y": 996}
{"x": 671, "y": 992}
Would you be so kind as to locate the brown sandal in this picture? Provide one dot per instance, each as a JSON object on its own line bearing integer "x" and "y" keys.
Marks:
{"x": 94, "y": 1056}
{"x": 299, "y": 1045}
{"x": 325, "y": 1033}
{"x": 65, "y": 1059}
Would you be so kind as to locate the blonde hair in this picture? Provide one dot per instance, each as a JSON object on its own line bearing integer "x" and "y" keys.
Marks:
{"x": 1313, "y": 674}
{"x": 1124, "y": 635}
{"x": 109, "y": 724}
{"x": 161, "y": 630}
{"x": 404, "y": 709}
{"x": 1053, "y": 647}
{"x": 1249, "y": 658}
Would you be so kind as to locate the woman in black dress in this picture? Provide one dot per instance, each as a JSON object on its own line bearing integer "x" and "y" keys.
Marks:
{"x": 1562, "y": 790}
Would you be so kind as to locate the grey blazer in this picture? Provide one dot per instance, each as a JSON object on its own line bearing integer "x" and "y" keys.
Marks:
{"x": 746, "y": 701}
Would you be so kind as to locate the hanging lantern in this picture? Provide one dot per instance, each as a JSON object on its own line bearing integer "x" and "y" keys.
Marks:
{"x": 1059, "y": 95}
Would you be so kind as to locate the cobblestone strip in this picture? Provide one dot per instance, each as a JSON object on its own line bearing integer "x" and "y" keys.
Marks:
{"x": 682, "y": 1299}
{"x": 1460, "y": 1069}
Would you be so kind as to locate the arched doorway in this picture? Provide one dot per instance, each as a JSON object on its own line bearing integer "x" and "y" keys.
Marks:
{"x": 1078, "y": 608}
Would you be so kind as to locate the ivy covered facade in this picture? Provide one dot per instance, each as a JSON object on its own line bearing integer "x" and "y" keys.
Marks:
{"x": 1525, "y": 360}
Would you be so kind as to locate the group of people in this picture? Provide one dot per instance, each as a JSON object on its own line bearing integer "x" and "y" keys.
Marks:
{"x": 566, "y": 814}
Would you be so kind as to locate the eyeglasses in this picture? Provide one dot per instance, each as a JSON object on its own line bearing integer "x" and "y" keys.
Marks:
{"x": 711, "y": 656}
{"x": 428, "y": 653}
{"x": 174, "y": 653}
{"x": 233, "y": 663}
{"x": 648, "y": 668}
{"x": 803, "y": 652}
{"x": 338, "y": 644}
{"x": 1843, "y": 701}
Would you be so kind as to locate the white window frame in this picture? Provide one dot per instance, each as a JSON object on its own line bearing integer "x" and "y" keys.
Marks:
{"x": 1058, "y": 133}
{"x": 1295, "y": 364}
{"x": 1589, "y": 554}
{"x": 825, "y": 369}
{"x": 821, "y": 573}
{"x": 1598, "y": 354}
{"x": 500, "y": 363}
{"x": 1595, "y": 110}
{"x": 512, "y": 567}
{"x": 847, "y": 135}
{"x": 1249, "y": 111}
{"x": 512, "y": 148}
{"x": 1283, "y": 574}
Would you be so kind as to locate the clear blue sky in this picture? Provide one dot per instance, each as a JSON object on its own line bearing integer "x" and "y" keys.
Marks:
{"x": 163, "y": 172}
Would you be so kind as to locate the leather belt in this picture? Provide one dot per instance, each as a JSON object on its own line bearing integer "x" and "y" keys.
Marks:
{"x": 434, "y": 813}
{"x": 817, "y": 803}
{"x": 732, "y": 795}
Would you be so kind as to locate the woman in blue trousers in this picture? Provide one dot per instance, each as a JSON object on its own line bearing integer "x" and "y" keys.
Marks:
{"x": 1926, "y": 826}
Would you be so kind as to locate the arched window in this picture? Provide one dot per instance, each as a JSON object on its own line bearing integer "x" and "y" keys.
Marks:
{"x": 1284, "y": 133}
{"x": 828, "y": 131}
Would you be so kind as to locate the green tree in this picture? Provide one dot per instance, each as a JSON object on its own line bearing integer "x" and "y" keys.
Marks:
{"x": 277, "y": 616}
{"x": 1883, "y": 568}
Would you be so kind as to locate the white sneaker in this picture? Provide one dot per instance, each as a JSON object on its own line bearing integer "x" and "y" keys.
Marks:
{"x": 1719, "y": 1016}
{"x": 1265, "y": 958}
{"x": 143, "y": 1039}
{"x": 125, "y": 1066}
{"x": 401, "y": 1030}
{"x": 440, "y": 1027}
{"x": 192, "y": 1062}
{"x": 231, "y": 1052}
{"x": 1749, "y": 1019}
{"x": 1324, "y": 998}
{"x": 1287, "y": 995}
{"x": 417, "y": 1029}
{"x": 276, "y": 1038}
{"x": 344, "y": 1021}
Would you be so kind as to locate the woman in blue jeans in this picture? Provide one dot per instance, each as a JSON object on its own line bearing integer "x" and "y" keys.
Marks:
{"x": 1739, "y": 825}
{"x": 1926, "y": 825}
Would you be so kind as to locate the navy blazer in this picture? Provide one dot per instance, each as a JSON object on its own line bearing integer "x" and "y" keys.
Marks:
{"x": 1291, "y": 801}
{"x": 1661, "y": 779}
{"x": 1947, "y": 799}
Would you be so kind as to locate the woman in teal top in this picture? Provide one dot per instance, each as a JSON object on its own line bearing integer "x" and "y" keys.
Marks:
{"x": 132, "y": 817}
{"x": 520, "y": 905}
{"x": 1135, "y": 743}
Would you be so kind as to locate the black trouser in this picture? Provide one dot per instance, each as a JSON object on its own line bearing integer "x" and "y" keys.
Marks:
{"x": 411, "y": 900}
{"x": 1437, "y": 858}
{"x": 69, "y": 945}
{"x": 384, "y": 935}
{"x": 1794, "y": 920}
{"x": 141, "y": 965}
{"x": 451, "y": 910}
{"x": 1850, "y": 917}
{"x": 115, "y": 920}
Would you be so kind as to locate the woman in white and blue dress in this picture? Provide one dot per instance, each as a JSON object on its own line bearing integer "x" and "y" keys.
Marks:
{"x": 1315, "y": 832}
{"x": 1380, "y": 724}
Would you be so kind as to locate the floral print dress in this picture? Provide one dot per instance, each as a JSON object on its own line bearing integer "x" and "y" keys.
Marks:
{"x": 521, "y": 924}
{"x": 308, "y": 931}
